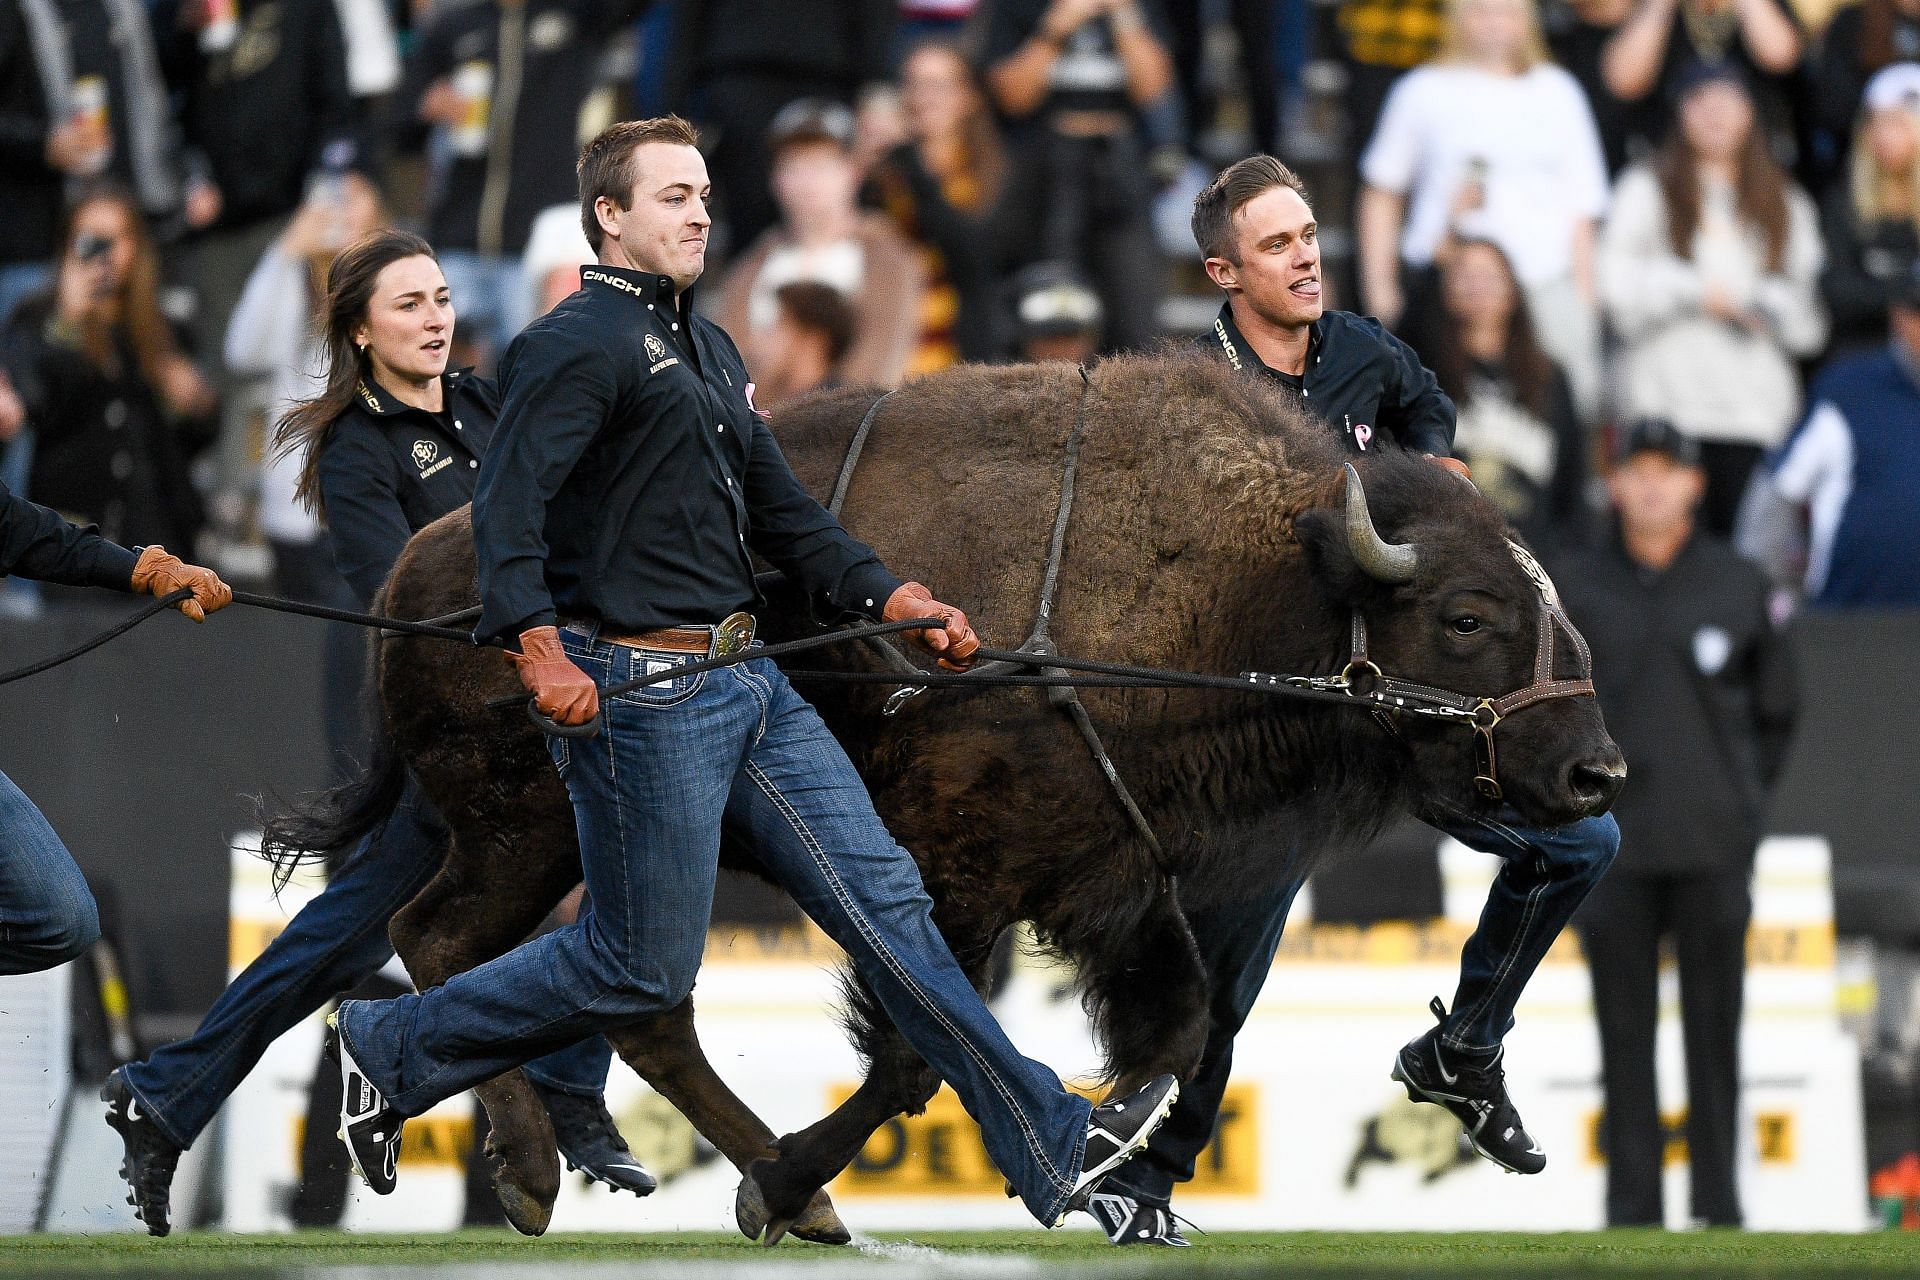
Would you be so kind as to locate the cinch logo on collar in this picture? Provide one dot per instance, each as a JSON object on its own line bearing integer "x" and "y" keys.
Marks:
{"x": 367, "y": 395}
{"x": 601, "y": 277}
{"x": 1226, "y": 343}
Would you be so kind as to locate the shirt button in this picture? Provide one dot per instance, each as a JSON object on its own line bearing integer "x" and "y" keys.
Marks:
{"x": 649, "y": 306}
{"x": 675, "y": 326}
{"x": 473, "y": 462}
{"x": 729, "y": 482}
{"x": 869, "y": 602}
{"x": 457, "y": 424}
{"x": 721, "y": 427}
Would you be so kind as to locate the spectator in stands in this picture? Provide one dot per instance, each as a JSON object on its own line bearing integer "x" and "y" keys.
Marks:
{"x": 1709, "y": 266}
{"x": 1657, "y": 51}
{"x": 1578, "y": 32}
{"x": 1700, "y": 694}
{"x": 1494, "y": 141}
{"x": 556, "y": 250}
{"x": 824, "y": 236}
{"x": 1872, "y": 219}
{"x": 80, "y": 97}
{"x": 1255, "y": 25}
{"x": 803, "y": 350}
{"x": 1861, "y": 40}
{"x": 946, "y": 188}
{"x": 1056, "y": 314}
{"x": 736, "y": 63}
{"x": 1853, "y": 468}
{"x": 1381, "y": 41}
{"x": 115, "y": 407}
{"x": 504, "y": 83}
{"x": 1516, "y": 427}
{"x": 1074, "y": 74}
{"x": 235, "y": 66}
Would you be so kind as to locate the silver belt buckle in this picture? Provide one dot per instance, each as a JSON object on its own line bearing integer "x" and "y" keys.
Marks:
{"x": 733, "y": 635}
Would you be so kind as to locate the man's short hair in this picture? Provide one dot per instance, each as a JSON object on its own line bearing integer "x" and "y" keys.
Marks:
{"x": 606, "y": 164}
{"x": 822, "y": 309}
{"x": 1226, "y": 195}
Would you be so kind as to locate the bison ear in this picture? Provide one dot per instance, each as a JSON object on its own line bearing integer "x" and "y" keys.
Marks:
{"x": 1322, "y": 535}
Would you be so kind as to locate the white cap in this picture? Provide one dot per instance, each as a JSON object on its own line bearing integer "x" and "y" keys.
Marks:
{"x": 1897, "y": 85}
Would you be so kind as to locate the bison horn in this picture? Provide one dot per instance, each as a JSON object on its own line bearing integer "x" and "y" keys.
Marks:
{"x": 1386, "y": 561}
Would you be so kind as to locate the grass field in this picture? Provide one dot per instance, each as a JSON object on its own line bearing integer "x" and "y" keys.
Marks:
{"x": 475, "y": 1255}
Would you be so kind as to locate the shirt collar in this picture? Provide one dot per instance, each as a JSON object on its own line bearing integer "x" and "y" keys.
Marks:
{"x": 382, "y": 403}
{"x": 1240, "y": 354}
{"x": 644, "y": 286}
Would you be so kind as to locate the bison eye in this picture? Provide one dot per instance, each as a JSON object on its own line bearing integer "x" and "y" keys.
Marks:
{"x": 1465, "y": 625}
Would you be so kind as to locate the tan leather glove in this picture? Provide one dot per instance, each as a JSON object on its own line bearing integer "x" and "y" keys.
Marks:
{"x": 561, "y": 690}
{"x": 157, "y": 573}
{"x": 1454, "y": 465}
{"x": 956, "y": 644}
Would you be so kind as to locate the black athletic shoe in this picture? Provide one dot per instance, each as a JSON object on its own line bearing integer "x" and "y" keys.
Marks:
{"x": 1477, "y": 1096}
{"x": 368, "y": 1125}
{"x": 1116, "y": 1130}
{"x": 151, "y": 1156}
{"x": 1128, "y": 1221}
{"x": 591, "y": 1143}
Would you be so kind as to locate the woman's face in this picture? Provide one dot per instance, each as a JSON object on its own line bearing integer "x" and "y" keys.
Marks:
{"x": 936, "y": 93}
{"x": 409, "y": 324}
{"x": 1716, "y": 120}
{"x": 1893, "y": 139}
{"x": 1493, "y": 30}
{"x": 1477, "y": 287}
{"x": 103, "y": 243}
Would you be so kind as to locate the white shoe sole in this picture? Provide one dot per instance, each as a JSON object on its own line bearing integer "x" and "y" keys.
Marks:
{"x": 349, "y": 1068}
{"x": 1091, "y": 1177}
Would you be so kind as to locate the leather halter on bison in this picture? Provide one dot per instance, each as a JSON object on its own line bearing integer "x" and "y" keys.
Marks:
{"x": 1209, "y": 533}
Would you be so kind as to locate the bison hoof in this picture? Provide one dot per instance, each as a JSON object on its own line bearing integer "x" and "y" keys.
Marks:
{"x": 526, "y": 1195}
{"x": 819, "y": 1224}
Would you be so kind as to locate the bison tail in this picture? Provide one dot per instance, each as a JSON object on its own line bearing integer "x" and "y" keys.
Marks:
{"x": 326, "y": 827}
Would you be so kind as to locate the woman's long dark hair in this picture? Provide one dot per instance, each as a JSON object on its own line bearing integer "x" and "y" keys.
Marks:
{"x": 1760, "y": 192}
{"x": 306, "y": 428}
{"x": 1529, "y": 368}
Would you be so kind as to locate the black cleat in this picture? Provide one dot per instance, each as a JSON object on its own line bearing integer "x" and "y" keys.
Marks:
{"x": 368, "y": 1124}
{"x": 1476, "y": 1095}
{"x": 1116, "y": 1130}
{"x": 1130, "y": 1221}
{"x": 590, "y": 1142}
{"x": 150, "y": 1158}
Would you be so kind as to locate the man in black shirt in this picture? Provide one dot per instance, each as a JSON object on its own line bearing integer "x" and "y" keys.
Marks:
{"x": 1261, "y": 244}
{"x": 47, "y": 916}
{"x": 629, "y": 485}
{"x": 1700, "y": 691}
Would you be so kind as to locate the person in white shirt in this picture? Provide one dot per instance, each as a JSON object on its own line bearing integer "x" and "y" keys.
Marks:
{"x": 1491, "y": 141}
{"x": 1709, "y": 269}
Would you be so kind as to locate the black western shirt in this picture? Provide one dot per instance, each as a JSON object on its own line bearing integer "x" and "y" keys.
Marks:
{"x": 36, "y": 543}
{"x": 1359, "y": 378}
{"x": 389, "y": 470}
{"x": 632, "y": 479}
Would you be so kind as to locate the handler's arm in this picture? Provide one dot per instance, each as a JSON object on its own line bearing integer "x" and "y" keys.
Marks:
{"x": 557, "y": 390}
{"x": 1416, "y": 411}
{"x": 36, "y": 543}
{"x": 803, "y": 540}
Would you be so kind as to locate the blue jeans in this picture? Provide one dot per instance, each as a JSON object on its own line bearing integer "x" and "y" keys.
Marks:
{"x": 1547, "y": 873}
{"x": 491, "y": 295}
{"x": 670, "y": 765}
{"x": 332, "y": 944}
{"x": 47, "y": 913}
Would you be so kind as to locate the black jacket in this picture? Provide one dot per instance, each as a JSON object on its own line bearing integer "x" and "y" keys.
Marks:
{"x": 286, "y": 71}
{"x": 839, "y": 46}
{"x": 631, "y": 477}
{"x": 1698, "y": 688}
{"x": 1865, "y": 266}
{"x": 388, "y": 470}
{"x": 544, "y": 57}
{"x": 1359, "y": 378}
{"x": 105, "y": 449}
{"x": 36, "y": 543}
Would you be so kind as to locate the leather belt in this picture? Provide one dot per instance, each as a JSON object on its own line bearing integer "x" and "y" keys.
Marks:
{"x": 732, "y": 636}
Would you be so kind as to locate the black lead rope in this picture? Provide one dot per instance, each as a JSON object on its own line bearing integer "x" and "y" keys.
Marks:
{"x": 85, "y": 647}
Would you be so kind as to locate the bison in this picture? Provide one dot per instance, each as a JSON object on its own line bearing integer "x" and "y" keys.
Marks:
{"x": 1210, "y": 533}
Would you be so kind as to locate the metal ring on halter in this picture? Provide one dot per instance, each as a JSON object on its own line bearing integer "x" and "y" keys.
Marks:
{"x": 1364, "y": 664}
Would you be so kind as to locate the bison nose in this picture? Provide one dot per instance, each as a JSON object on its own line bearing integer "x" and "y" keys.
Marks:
{"x": 1596, "y": 781}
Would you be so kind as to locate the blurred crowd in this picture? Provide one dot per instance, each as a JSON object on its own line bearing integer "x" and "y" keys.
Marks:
{"x": 1582, "y": 215}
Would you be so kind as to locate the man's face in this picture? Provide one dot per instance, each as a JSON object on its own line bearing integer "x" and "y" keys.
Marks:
{"x": 1654, "y": 493}
{"x": 663, "y": 229}
{"x": 1278, "y": 274}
